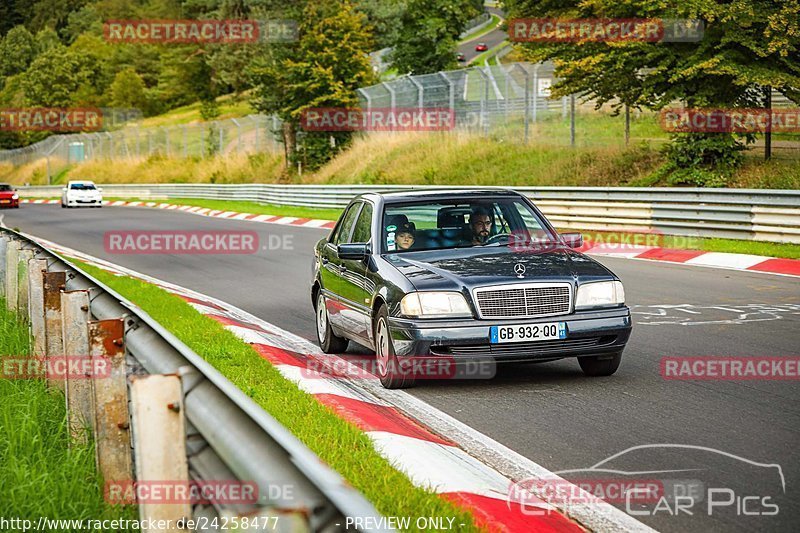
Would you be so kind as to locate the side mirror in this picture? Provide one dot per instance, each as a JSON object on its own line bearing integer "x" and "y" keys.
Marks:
{"x": 99, "y": 189}
{"x": 573, "y": 240}
{"x": 63, "y": 189}
{"x": 357, "y": 251}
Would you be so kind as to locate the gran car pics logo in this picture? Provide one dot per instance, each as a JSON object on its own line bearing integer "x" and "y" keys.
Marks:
{"x": 659, "y": 491}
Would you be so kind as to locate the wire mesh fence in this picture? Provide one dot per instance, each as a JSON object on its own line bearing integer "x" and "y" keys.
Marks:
{"x": 250, "y": 134}
{"x": 510, "y": 101}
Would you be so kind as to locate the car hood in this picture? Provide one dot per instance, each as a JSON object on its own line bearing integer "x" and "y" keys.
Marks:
{"x": 7, "y": 194}
{"x": 473, "y": 267}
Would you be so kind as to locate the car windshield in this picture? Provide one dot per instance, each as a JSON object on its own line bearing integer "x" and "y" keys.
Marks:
{"x": 82, "y": 187}
{"x": 5, "y": 187}
{"x": 458, "y": 224}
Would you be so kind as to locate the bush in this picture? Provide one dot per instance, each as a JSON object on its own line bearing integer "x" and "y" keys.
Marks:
{"x": 702, "y": 159}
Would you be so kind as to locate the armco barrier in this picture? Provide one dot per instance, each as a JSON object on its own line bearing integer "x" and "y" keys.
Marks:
{"x": 750, "y": 214}
{"x": 219, "y": 432}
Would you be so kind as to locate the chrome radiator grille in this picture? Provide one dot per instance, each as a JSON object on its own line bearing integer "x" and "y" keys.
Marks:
{"x": 524, "y": 300}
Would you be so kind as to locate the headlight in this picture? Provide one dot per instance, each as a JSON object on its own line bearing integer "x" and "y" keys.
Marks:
{"x": 600, "y": 294}
{"x": 15, "y": 196}
{"x": 434, "y": 305}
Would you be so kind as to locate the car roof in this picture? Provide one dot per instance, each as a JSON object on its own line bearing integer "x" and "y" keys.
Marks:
{"x": 437, "y": 194}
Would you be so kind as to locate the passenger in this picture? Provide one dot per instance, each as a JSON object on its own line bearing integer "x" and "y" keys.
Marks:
{"x": 406, "y": 233}
{"x": 480, "y": 222}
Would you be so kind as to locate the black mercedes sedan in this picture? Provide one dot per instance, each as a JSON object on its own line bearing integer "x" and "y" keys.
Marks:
{"x": 463, "y": 275}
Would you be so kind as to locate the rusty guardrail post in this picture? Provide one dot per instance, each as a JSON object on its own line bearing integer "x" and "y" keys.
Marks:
{"x": 12, "y": 258}
{"x": 23, "y": 304}
{"x": 36, "y": 269}
{"x": 3, "y": 244}
{"x": 159, "y": 441}
{"x": 79, "y": 388}
{"x": 53, "y": 284}
{"x": 112, "y": 424}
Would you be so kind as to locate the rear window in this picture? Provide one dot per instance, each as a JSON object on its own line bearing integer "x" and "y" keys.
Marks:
{"x": 82, "y": 187}
{"x": 5, "y": 187}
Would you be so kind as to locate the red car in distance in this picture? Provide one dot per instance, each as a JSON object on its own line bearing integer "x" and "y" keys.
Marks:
{"x": 8, "y": 196}
{"x": 481, "y": 47}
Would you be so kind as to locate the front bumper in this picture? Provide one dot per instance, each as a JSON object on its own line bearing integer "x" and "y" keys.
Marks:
{"x": 87, "y": 202}
{"x": 8, "y": 202}
{"x": 588, "y": 333}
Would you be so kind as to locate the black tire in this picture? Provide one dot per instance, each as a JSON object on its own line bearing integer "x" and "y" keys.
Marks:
{"x": 328, "y": 340}
{"x": 63, "y": 206}
{"x": 389, "y": 371}
{"x": 600, "y": 365}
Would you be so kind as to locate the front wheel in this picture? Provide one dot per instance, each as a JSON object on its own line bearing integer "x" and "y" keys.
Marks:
{"x": 600, "y": 365}
{"x": 328, "y": 340}
{"x": 389, "y": 371}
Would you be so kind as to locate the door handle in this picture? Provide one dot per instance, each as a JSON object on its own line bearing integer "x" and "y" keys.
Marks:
{"x": 342, "y": 269}
{"x": 324, "y": 260}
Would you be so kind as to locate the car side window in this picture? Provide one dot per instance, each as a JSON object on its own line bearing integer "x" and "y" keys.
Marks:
{"x": 346, "y": 227}
{"x": 363, "y": 229}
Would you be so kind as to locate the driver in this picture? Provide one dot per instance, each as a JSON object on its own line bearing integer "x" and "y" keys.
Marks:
{"x": 480, "y": 222}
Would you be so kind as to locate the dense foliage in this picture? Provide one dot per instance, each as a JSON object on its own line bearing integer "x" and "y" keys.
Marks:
{"x": 748, "y": 47}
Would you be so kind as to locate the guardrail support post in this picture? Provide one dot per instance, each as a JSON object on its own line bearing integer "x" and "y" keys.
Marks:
{"x": 12, "y": 258}
{"x": 36, "y": 269}
{"x": 53, "y": 284}
{"x": 25, "y": 255}
{"x": 112, "y": 424}
{"x": 3, "y": 247}
{"x": 79, "y": 389}
{"x": 159, "y": 441}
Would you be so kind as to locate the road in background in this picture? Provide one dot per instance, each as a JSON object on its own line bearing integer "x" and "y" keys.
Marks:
{"x": 492, "y": 39}
{"x": 551, "y": 413}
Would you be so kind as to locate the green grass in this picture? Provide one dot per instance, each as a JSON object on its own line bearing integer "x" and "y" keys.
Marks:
{"x": 495, "y": 20}
{"x": 341, "y": 445}
{"x": 40, "y": 475}
{"x": 249, "y": 207}
{"x": 770, "y": 249}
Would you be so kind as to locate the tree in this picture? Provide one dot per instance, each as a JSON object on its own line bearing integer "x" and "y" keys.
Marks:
{"x": 17, "y": 50}
{"x": 45, "y": 40}
{"x": 323, "y": 69}
{"x": 748, "y": 46}
{"x": 383, "y": 16}
{"x": 52, "y": 79}
{"x": 428, "y": 35}
{"x": 128, "y": 90}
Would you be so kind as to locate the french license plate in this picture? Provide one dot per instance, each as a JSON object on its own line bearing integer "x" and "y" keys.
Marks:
{"x": 527, "y": 332}
{"x": 5, "y": 201}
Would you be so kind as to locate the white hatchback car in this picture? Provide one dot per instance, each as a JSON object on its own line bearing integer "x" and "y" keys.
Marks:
{"x": 81, "y": 193}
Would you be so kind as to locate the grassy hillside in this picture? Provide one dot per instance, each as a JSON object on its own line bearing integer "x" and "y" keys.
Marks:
{"x": 599, "y": 158}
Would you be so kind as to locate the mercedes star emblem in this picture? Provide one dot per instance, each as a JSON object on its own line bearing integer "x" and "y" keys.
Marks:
{"x": 519, "y": 270}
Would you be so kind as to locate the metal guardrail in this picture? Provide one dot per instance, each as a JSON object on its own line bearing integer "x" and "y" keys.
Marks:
{"x": 229, "y": 436}
{"x": 751, "y": 214}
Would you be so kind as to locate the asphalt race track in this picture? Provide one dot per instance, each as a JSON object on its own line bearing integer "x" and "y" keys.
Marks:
{"x": 551, "y": 413}
{"x": 492, "y": 39}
